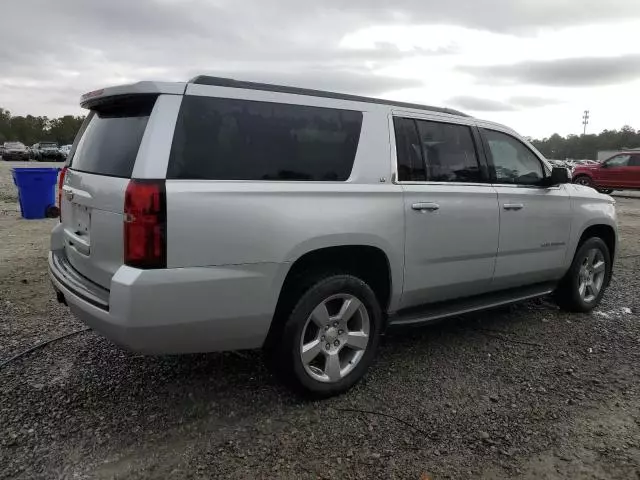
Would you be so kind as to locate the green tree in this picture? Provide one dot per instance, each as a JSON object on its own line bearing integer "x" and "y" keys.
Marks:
{"x": 30, "y": 129}
{"x": 587, "y": 146}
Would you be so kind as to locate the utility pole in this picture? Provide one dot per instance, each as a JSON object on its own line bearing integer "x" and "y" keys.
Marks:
{"x": 585, "y": 121}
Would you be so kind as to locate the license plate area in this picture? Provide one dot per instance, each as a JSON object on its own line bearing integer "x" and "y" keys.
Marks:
{"x": 81, "y": 221}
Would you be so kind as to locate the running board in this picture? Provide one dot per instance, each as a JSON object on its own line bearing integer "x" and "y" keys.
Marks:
{"x": 450, "y": 308}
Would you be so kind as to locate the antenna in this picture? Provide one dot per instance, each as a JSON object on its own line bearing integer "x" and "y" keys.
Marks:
{"x": 585, "y": 121}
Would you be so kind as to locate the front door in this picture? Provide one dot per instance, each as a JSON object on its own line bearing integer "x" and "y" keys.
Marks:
{"x": 451, "y": 212}
{"x": 614, "y": 172}
{"x": 534, "y": 220}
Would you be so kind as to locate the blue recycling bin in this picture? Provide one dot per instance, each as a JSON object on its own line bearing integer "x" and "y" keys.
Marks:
{"x": 36, "y": 190}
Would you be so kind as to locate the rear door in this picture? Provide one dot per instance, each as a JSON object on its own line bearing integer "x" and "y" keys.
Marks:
{"x": 451, "y": 211}
{"x": 101, "y": 163}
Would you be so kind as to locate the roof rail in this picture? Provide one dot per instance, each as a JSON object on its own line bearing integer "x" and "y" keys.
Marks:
{"x": 232, "y": 83}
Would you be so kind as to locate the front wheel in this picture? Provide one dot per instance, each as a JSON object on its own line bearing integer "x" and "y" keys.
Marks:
{"x": 330, "y": 338}
{"x": 584, "y": 284}
{"x": 583, "y": 180}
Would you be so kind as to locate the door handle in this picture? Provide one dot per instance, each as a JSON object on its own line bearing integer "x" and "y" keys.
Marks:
{"x": 513, "y": 206}
{"x": 425, "y": 206}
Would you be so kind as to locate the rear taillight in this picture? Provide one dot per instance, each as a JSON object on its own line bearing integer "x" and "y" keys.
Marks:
{"x": 61, "y": 176}
{"x": 145, "y": 217}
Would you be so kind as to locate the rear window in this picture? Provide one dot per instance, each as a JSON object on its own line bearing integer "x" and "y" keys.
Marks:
{"x": 229, "y": 139}
{"x": 110, "y": 138}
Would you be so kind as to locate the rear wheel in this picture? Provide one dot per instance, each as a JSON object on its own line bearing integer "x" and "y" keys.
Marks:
{"x": 330, "y": 338}
{"x": 583, "y": 180}
{"x": 584, "y": 284}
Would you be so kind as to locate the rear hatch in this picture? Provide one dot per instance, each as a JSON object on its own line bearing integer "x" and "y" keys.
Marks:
{"x": 101, "y": 163}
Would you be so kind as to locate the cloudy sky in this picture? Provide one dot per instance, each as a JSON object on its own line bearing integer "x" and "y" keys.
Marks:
{"x": 532, "y": 64}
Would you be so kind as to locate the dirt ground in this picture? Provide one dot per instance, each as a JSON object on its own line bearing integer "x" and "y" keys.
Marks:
{"x": 528, "y": 392}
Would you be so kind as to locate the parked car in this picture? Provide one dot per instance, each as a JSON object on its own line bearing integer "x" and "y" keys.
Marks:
{"x": 65, "y": 149}
{"x": 620, "y": 172}
{"x": 15, "y": 151}
{"x": 221, "y": 215}
{"x": 47, "y": 151}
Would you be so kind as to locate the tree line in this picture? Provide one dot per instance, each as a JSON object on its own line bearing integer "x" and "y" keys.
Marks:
{"x": 30, "y": 129}
{"x": 579, "y": 147}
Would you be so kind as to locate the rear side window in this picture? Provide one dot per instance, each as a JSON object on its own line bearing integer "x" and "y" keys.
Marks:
{"x": 230, "y": 139}
{"x": 410, "y": 162}
{"x": 449, "y": 152}
{"x": 435, "y": 152}
{"x": 110, "y": 138}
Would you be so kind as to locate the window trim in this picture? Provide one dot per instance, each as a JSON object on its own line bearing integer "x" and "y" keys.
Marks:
{"x": 475, "y": 138}
{"x": 491, "y": 166}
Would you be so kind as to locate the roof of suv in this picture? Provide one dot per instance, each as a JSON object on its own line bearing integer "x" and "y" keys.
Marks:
{"x": 232, "y": 83}
{"x": 93, "y": 98}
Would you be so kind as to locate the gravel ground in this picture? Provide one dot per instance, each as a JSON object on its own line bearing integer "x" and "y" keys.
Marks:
{"x": 527, "y": 392}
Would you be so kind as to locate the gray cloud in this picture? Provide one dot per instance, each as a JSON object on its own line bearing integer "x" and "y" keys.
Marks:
{"x": 571, "y": 72}
{"x": 78, "y": 45}
{"x": 496, "y": 15}
{"x": 479, "y": 104}
{"x": 514, "y": 103}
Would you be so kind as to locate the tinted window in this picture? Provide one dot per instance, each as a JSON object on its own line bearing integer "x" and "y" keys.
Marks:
{"x": 635, "y": 161}
{"x": 513, "y": 161}
{"x": 229, "y": 139}
{"x": 410, "y": 163}
{"x": 449, "y": 152}
{"x": 111, "y": 136}
{"x": 619, "y": 161}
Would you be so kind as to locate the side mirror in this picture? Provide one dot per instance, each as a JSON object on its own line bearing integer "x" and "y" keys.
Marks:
{"x": 559, "y": 175}
{"x": 604, "y": 165}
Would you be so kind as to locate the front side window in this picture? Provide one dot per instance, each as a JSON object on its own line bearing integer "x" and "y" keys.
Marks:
{"x": 619, "y": 161}
{"x": 230, "y": 139}
{"x": 635, "y": 161}
{"x": 513, "y": 161}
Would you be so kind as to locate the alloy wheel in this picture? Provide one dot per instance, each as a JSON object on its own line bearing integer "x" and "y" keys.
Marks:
{"x": 334, "y": 338}
{"x": 591, "y": 275}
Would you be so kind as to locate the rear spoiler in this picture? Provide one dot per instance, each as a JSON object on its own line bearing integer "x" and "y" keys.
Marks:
{"x": 141, "y": 88}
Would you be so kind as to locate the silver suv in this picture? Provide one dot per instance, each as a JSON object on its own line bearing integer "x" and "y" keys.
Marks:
{"x": 219, "y": 214}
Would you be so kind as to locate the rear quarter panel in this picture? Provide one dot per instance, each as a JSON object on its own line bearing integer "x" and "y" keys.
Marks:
{"x": 213, "y": 223}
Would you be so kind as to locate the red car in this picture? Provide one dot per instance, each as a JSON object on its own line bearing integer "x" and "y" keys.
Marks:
{"x": 620, "y": 172}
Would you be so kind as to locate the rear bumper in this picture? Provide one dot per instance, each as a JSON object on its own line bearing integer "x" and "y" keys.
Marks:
{"x": 183, "y": 310}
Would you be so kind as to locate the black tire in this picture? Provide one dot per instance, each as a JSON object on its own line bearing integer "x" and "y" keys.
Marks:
{"x": 567, "y": 294}
{"x": 284, "y": 351}
{"x": 585, "y": 180}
